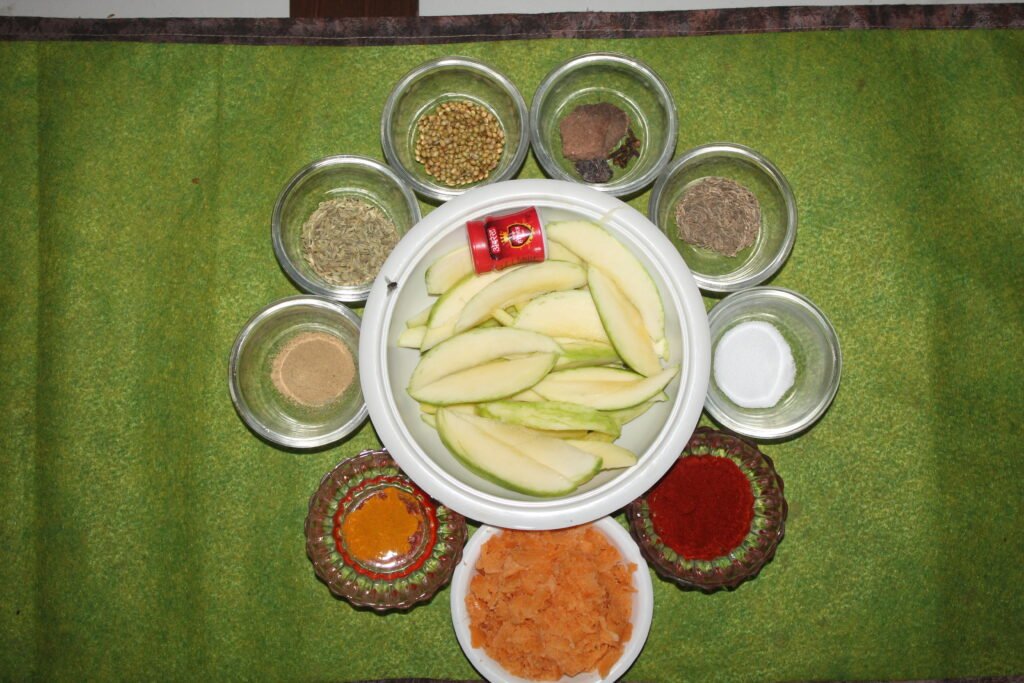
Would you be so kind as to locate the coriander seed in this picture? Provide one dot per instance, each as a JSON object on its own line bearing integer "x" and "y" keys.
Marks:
{"x": 459, "y": 143}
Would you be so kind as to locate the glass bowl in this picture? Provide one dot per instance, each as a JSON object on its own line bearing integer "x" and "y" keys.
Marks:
{"x": 393, "y": 579}
{"x": 617, "y": 79}
{"x": 642, "y": 605}
{"x": 257, "y": 398}
{"x": 816, "y": 353}
{"x": 336, "y": 177}
{"x": 442, "y": 80}
{"x": 716, "y": 272}
{"x": 767, "y": 527}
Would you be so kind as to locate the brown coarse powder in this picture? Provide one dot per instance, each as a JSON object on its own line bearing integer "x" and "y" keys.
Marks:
{"x": 313, "y": 369}
{"x": 718, "y": 214}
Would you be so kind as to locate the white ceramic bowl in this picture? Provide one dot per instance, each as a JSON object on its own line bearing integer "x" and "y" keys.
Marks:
{"x": 643, "y": 606}
{"x": 658, "y": 437}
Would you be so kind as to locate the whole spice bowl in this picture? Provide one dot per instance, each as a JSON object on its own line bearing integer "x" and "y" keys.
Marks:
{"x": 729, "y": 211}
{"x": 376, "y": 539}
{"x": 336, "y": 221}
{"x": 574, "y": 604}
{"x": 293, "y": 372}
{"x": 452, "y": 124}
{"x": 604, "y": 119}
{"x": 716, "y": 518}
{"x": 776, "y": 363}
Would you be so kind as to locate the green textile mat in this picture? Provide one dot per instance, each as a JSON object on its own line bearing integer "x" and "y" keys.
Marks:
{"x": 147, "y": 534}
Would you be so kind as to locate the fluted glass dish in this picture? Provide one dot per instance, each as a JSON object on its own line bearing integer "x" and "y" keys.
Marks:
{"x": 744, "y": 562}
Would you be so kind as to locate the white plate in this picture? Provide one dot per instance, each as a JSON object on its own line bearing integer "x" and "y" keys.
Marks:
{"x": 399, "y": 293}
{"x": 643, "y": 606}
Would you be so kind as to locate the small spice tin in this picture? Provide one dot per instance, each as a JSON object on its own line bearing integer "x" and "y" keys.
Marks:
{"x": 376, "y": 539}
{"x": 757, "y": 547}
{"x": 498, "y": 242}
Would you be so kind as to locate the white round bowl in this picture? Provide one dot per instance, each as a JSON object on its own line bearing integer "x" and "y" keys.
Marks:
{"x": 643, "y": 606}
{"x": 658, "y": 437}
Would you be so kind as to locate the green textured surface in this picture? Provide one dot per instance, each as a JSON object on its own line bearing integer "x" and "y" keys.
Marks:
{"x": 147, "y": 534}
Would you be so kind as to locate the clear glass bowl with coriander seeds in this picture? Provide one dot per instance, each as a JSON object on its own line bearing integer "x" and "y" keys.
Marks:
{"x": 336, "y": 221}
{"x": 729, "y": 211}
{"x": 293, "y": 372}
{"x": 452, "y": 124}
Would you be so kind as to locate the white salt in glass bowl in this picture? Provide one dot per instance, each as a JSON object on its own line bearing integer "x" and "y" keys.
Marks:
{"x": 399, "y": 293}
{"x": 815, "y": 348}
{"x": 643, "y": 605}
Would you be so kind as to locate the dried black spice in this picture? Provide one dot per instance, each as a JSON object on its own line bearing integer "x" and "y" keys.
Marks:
{"x": 594, "y": 170}
{"x": 629, "y": 148}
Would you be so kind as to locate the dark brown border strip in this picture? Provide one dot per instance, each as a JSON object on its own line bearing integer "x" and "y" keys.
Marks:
{"x": 431, "y": 30}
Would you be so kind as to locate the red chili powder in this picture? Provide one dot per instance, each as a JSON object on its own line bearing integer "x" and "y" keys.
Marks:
{"x": 703, "y": 507}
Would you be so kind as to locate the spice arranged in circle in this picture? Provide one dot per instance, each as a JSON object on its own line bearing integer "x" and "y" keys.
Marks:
{"x": 703, "y": 507}
{"x": 383, "y": 526}
{"x": 754, "y": 365}
{"x": 376, "y": 539}
{"x": 715, "y": 518}
{"x": 346, "y": 241}
{"x": 459, "y": 143}
{"x": 718, "y": 214}
{"x": 313, "y": 369}
{"x": 593, "y": 135}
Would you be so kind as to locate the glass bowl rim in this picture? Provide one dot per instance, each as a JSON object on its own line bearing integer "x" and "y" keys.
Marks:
{"x": 348, "y": 294}
{"x": 435, "y": 191}
{"x": 723, "y": 416}
{"x": 545, "y": 157}
{"x": 242, "y": 407}
{"x": 719, "y": 284}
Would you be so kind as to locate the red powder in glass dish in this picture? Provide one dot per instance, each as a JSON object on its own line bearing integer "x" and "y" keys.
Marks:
{"x": 703, "y": 507}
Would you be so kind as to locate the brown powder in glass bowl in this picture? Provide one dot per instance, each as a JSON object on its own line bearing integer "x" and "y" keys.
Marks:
{"x": 313, "y": 369}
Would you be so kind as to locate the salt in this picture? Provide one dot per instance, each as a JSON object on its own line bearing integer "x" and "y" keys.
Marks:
{"x": 754, "y": 365}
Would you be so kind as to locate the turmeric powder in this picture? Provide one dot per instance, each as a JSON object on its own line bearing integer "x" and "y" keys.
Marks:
{"x": 383, "y": 526}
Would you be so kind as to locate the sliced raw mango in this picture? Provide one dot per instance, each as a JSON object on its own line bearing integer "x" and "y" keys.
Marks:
{"x": 446, "y": 310}
{"x": 550, "y": 415}
{"x": 572, "y": 463}
{"x": 519, "y": 286}
{"x": 429, "y": 419}
{"x": 495, "y": 460}
{"x": 612, "y": 456}
{"x": 488, "y": 382}
{"x": 563, "y": 314}
{"x": 476, "y": 347}
{"x": 598, "y": 247}
{"x": 503, "y": 317}
{"x": 623, "y": 324}
{"x": 558, "y": 252}
{"x": 580, "y": 353}
{"x": 412, "y": 337}
{"x": 612, "y": 394}
{"x": 449, "y": 269}
{"x": 598, "y": 436}
{"x": 528, "y": 395}
{"x": 421, "y": 318}
{"x": 625, "y": 415}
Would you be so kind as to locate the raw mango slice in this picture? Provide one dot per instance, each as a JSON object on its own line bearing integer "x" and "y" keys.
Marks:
{"x": 495, "y": 460}
{"x": 488, "y": 382}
